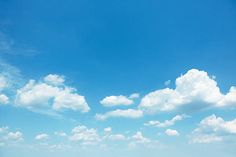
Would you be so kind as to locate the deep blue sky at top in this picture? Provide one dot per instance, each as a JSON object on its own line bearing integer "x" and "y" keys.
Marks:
{"x": 119, "y": 47}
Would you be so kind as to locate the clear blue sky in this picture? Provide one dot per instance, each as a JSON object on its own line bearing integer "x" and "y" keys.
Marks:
{"x": 86, "y": 58}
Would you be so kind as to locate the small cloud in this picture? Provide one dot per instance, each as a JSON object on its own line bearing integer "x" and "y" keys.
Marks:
{"x": 110, "y": 101}
{"x": 42, "y": 137}
{"x": 171, "y": 132}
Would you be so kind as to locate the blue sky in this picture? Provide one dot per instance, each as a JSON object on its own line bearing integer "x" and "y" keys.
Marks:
{"x": 117, "y": 78}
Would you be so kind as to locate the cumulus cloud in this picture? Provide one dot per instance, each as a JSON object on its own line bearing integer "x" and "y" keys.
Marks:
{"x": 85, "y": 135}
{"x": 110, "y": 101}
{"x": 171, "y": 132}
{"x": 54, "y": 79}
{"x": 43, "y": 95}
{"x": 166, "y": 123}
{"x": 3, "y": 84}
{"x": 7, "y": 136}
{"x": 42, "y": 137}
{"x": 129, "y": 113}
{"x": 213, "y": 129}
{"x": 194, "y": 86}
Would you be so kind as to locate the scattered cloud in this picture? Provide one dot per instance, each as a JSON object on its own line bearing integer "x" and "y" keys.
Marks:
{"x": 7, "y": 136}
{"x": 171, "y": 132}
{"x": 213, "y": 129}
{"x": 85, "y": 135}
{"x": 194, "y": 86}
{"x": 42, "y": 137}
{"x": 43, "y": 95}
{"x": 110, "y": 101}
{"x": 166, "y": 123}
{"x": 129, "y": 113}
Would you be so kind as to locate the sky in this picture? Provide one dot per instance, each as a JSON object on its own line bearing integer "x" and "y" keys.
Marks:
{"x": 117, "y": 78}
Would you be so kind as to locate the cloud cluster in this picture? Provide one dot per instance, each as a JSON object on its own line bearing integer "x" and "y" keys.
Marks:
{"x": 85, "y": 135}
{"x": 51, "y": 94}
{"x": 10, "y": 137}
{"x": 194, "y": 86}
{"x": 213, "y": 129}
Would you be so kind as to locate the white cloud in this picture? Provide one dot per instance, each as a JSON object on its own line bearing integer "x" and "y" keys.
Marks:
{"x": 171, "y": 132}
{"x": 107, "y": 130}
{"x": 194, "y": 86}
{"x": 117, "y": 137}
{"x": 15, "y": 136}
{"x": 213, "y": 129}
{"x": 4, "y": 99}
{"x": 54, "y": 79}
{"x": 42, "y": 137}
{"x": 110, "y": 101}
{"x": 85, "y": 135}
{"x": 8, "y": 137}
{"x": 134, "y": 96}
{"x": 41, "y": 95}
{"x": 166, "y": 123}
{"x": 129, "y": 113}
{"x": 139, "y": 138}
{"x": 60, "y": 133}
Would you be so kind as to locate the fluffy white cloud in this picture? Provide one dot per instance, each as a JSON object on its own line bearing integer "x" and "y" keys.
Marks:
{"x": 54, "y": 79}
{"x": 194, "y": 86}
{"x": 42, "y": 137}
{"x": 15, "y": 136}
{"x": 110, "y": 101}
{"x": 44, "y": 95}
{"x": 166, "y": 123}
{"x": 129, "y": 113}
{"x": 171, "y": 132}
{"x": 85, "y": 135}
{"x": 212, "y": 129}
